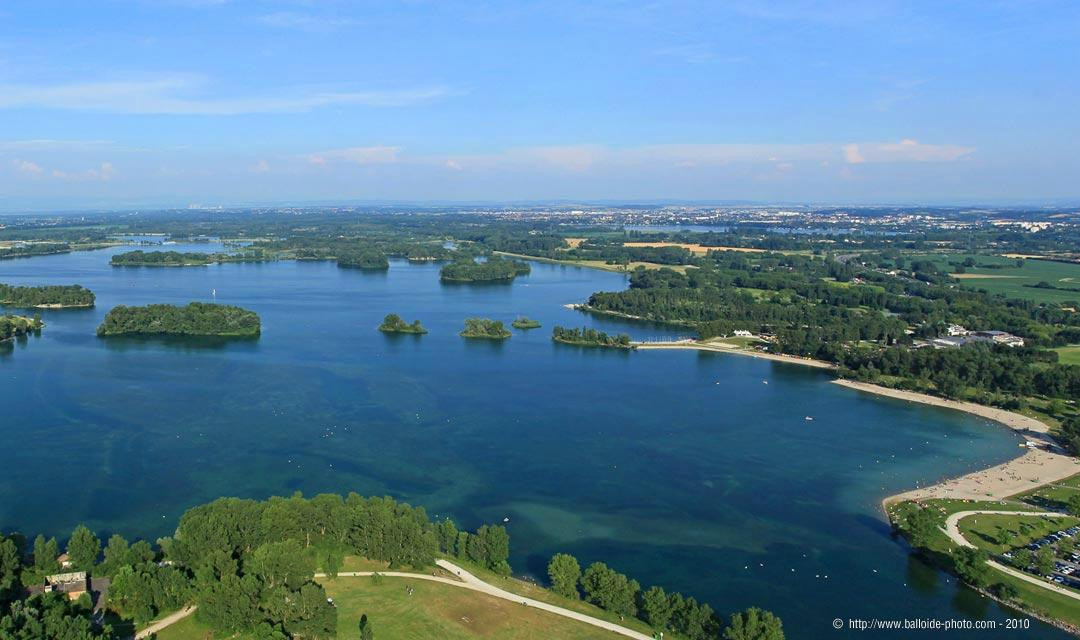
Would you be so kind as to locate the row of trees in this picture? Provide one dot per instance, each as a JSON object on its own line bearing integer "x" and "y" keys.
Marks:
{"x": 195, "y": 319}
{"x": 589, "y": 337}
{"x": 46, "y": 296}
{"x": 615, "y": 592}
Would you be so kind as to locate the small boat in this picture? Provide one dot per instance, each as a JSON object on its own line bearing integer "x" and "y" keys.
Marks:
{"x": 808, "y": 419}
{"x": 764, "y": 382}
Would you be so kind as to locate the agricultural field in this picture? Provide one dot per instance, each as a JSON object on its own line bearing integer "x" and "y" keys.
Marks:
{"x": 1010, "y": 279}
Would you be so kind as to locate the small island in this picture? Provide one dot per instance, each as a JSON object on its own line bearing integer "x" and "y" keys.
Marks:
{"x": 523, "y": 322}
{"x": 485, "y": 329}
{"x": 587, "y": 337}
{"x": 196, "y": 319}
{"x": 393, "y": 323}
{"x": 46, "y": 297}
{"x": 15, "y": 326}
{"x": 493, "y": 270}
{"x": 367, "y": 259}
{"x": 139, "y": 258}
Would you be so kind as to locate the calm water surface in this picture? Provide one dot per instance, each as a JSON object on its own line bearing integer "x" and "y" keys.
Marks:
{"x": 681, "y": 469}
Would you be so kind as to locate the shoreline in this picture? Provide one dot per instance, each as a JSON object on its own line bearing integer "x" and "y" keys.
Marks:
{"x": 1035, "y": 467}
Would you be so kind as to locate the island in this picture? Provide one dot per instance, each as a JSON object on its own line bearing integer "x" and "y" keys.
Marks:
{"x": 393, "y": 323}
{"x": 587, "y": 337}
{"x": 46, "y": 297}
{"x": 493, "y": 270}
{"x": 195, "y": 319}
{"x": 139, "y": 258}
{"x": 485, "y": 329}
{"x": 15, "y": 326}
{"x": 523, "y": 323}
{"x": 367, "y": 259}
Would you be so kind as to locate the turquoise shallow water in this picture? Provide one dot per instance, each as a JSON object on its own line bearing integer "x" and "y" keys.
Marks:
{"x": 679, "y": 468}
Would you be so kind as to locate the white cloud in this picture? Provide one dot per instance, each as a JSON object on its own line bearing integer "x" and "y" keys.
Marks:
{"x": 452, "y": 165}
{"x": 356, "y": 155}
{"x": 103, "y": 173}
{"x": 172, "y": 94}
{"x": 852, "y": 155}
{"x": 27, "y": 167}
{"x": 262, "y": 166}
{"x": 304, "y": 21}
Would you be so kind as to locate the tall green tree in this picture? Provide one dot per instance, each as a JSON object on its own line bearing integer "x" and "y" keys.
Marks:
{"x": 83, "y": 549}
{"x": 656, "y": 607}
{"x": 564, "y": 573}
{"x": 754, "y": 624}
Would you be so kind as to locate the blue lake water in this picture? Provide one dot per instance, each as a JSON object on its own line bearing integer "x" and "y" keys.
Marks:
{"x": 679, "y": 468}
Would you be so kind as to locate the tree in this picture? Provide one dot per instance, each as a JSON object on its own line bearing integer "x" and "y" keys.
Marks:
{"x": 971, "y": 566}
{"x": 1044, "y": 560}
{"x": 1005, "y": 591}
{"x": 1074, "y": 504}
{"x": 10, "y": 566}
{"x": 921, "y": 527}
{"x": 83, "y": 549}
{"x": 657, "y": 607}
{"x": 366, "y": 632}
{"x": 45, "y": 554}
{"x": 754, "y": 624}
{"x": 564, "y": 573}
{"x": 609, "y": 589}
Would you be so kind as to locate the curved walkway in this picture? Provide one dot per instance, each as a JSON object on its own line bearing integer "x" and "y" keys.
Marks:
{"x": 469, "y": 581}
{"x": 953, "y": 531}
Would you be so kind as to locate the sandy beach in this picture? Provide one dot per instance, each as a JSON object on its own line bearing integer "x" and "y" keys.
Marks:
{"x": 726, "y": 348}
{"x": 1044, "y": 464}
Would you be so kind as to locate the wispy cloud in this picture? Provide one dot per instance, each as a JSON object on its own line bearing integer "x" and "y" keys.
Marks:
{"x": 906, "y": 150}
{"x": 27, "y": 167}
{"x": 44, "y": 144}
{"x": 355, "y": 155}
{"x": 304, "y": 21}
{"x": 103, "y": 173}
{"x": 172, "y": 95}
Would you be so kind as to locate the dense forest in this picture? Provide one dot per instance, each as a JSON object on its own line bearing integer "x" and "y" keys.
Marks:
{"x": 46, "y": 296}
{"x": 393, "y": 323}
{"x": 15, "y": 326}
{"x": 195, "y": 319}
{"x": 468, "y": 270}
{"x": 140, "y": 258}
{"x": 588, "y": 337}
{"x": 371, "y": 259}
{"x": 485, "y": 328}
{"x": 249, "y": 566}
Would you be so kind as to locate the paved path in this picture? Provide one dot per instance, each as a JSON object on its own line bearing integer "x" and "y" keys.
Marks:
{"x": 953, "y": 531}
{"x": 164, "y": 622}
{"x": 469, "y": 581}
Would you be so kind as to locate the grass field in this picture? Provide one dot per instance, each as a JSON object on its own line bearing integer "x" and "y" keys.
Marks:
{"x": 436, "y": 610}
{"x": 1069, "y": 354}
{"x": 1010, "y": 279}
{"x": 986, "y": 531}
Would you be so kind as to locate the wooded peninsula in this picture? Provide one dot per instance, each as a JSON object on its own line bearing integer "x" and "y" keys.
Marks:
{"x": 50, "y": 296}
{"x": 195, "y": 319}
{"x": 15, "y": 326}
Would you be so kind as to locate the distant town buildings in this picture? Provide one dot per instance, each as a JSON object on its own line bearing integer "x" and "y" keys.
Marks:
{"x": 959, "y": 337}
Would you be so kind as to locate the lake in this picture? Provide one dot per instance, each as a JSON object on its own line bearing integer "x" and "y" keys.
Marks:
{"x": 678, "y": 468}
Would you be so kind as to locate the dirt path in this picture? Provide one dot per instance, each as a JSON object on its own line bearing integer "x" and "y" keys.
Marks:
{"x": 164, "y": 622}
{"x": 469, "y": 581}
{"x": 720, "y": 347}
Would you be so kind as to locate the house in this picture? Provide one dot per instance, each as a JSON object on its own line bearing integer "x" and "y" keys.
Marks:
{"x": 949, "y": 343}
{"x": 741, "y": 333}
{"x": 1000, "y": 337}
{"x": 957, "y": 330}
{"x": 71, "y": 584}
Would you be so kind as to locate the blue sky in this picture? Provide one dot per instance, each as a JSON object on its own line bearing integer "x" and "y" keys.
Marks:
{"x": 170, "y": 102}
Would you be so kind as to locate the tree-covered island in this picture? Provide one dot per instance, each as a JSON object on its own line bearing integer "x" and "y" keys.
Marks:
{"x": 393, "y": 323}
{"x": 368, "y": 259}
{"x": 523, "y": 322}
{"x": 195, "y": 319}
{"x": 15, "y": 326}
{"x": 46, "y": 297}
{"x": 485, "y": 328}
{"x": 587, "y": 337}
{"x": 493, "y": 270}
{"x": 140, "y": 258}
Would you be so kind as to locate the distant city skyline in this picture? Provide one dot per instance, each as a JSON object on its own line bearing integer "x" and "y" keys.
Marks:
{"x": 174, "y": 102}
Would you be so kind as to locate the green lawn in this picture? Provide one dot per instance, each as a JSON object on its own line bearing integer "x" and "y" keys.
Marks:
{"x": 1050, "y": 497}
{"x": 999, "y": 533}
{"x": 189, "y": 629}
{"x": 1069, "y": 354}
{"x": 1010, "y": 279}
{"x": 436, "y": 610}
